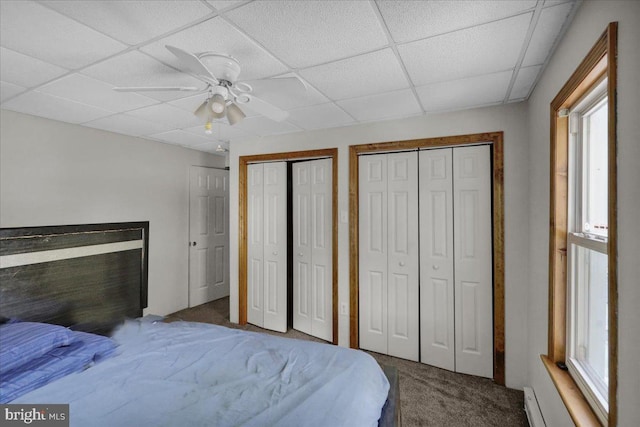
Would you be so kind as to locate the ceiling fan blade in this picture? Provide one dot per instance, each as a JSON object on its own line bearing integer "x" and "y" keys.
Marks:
{"x": 266, "y": 87}
{"x": 156, "y": 89}
{"x": 262, "y": 107}
{"x": 193, "y": 64}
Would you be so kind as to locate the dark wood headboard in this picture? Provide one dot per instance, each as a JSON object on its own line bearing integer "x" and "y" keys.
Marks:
{"x": 88, "y": 277}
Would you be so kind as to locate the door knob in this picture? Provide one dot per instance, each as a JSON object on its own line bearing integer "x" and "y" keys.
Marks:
{"x": 194, "y": 243}
{"x": 435, "y": 267}
{"x": 300, "y": 254}
{"x": 275, "y": 253}
{"x": 401, "y": 263}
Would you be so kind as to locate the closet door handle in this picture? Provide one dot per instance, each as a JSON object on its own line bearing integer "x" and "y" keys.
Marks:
{"x": 275, "y": 252}
{"x": 435, "y": 267}
{"x": 300, "y": 254}
{"x": 401, "y": 263}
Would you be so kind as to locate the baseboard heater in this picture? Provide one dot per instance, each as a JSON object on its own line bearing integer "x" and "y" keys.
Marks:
{"x": 532, "y": 408}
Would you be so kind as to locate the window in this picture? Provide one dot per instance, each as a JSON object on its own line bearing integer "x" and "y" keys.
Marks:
{"x": 587, "y": 260}
{"x": 582, "y": 352}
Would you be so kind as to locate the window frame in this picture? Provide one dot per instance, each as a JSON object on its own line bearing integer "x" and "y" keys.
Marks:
{"x": 600, "y": 62}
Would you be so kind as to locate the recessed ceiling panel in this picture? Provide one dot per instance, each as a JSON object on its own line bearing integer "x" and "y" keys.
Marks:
{"x": 218, "y": 36}
{"x": 306, "y": 33}
{"x": 479, "y": 50}
{"x": 320, "y": 116}
{"x": 413, "y": 20}
{"x": 131, "y": 21}
{"x": 358, "y": 76}
{"x": 25, "y": 71}
{"x": 8, "y": 90}
{"x": 127, "y": 125}
{"x": 524, "y": 81}
{"x": 137, "y": 69}
{"x": 180, "y": 137}
{"x": 545, "y": 34}
{"x": 382, "y": 106}
{"x": 51, "y": 107}
{"x": 465, "y": 93}
{"x": 262, "y": 126}
{"x": 168, "y": 115}
{"x": 34, "y": 30}
{"x": 86, "y": 90}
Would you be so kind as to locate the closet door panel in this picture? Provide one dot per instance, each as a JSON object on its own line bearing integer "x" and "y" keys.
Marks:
{"x": 473, "y": 261}
{"x": 436, "y": 259}
{"x": 402, "y": 293}
{"x": 301, "y": 188}
{"x": 255, "y": 250}
{"x": 321, "y": 249}
{"x": 373, "y": 252}
{"x": 275, "y": 246}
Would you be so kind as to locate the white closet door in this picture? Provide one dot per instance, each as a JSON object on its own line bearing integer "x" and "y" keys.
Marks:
{"x": 437, "y": 338}
{"x": 402, "y": 273}
{"x": 321, "y": 249}
{"x": 372, "y": 231}
{"x": 275, "y": 246}
{"x": 473, "y": 261}
{"x": 255, "y": 250}
{"x": 302, "y": 292}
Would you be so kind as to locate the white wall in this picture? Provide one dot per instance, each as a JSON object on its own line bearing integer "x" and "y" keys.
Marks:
{"x": 589, "y": 23}
{"x": 54, "y": 173}
{"x": 511, "y": 119}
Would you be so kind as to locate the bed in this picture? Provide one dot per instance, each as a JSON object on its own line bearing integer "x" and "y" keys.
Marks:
{"x": 154, "y": 373}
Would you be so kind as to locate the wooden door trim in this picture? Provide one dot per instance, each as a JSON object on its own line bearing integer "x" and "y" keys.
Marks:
{"x": 497, "y": 164}
{"x": 242, "y": 223}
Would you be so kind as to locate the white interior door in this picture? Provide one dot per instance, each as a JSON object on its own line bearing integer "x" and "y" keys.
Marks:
{"x": 209, "y": 235}
{"x": 373, "y": 252}
{"x": 275, "y": 246}
{"x": 312, "y": 248}
{"x": 437, "y": 338}
{"x": 473, "y": 260}
{"x": 402, "y": 273}
{"x": 255, "y": 249}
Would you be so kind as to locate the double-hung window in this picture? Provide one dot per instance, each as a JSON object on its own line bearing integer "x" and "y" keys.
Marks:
{"x": 587, "y": 259}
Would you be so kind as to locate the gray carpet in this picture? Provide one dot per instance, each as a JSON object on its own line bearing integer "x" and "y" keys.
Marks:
{"x": 428, "y": 396}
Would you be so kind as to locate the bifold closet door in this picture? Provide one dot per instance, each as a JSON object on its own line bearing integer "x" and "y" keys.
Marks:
{"x": 312, "y": 248}
{"x": 388, "y": 254}
{"x": 473, "y": 245}
{"x": 267, "y": 248}
{"x": 437, "y": 327}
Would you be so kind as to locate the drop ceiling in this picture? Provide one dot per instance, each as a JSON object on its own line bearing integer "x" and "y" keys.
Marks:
{"x": 362, "y": 61}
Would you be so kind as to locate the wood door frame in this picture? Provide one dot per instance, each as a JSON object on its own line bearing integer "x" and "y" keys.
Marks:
{"x": 243, "y": 162}
{"x": 497, "y": 165}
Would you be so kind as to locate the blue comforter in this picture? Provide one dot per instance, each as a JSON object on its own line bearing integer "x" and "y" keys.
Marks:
{"x": 193, "y": 374}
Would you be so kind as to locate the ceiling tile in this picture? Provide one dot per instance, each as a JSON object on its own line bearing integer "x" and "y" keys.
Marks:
{"x": 23, "y": 70}
{"x": 382, "y": 106}
{"x": 262, "y": 126}
{"x": 216, "y": 35}
{"x": 132, "y": 22}
{"x": 480, "y": 50}
{"x": 306, "y": 33}
{"x": 465, "y": 93}
{"x": 39, "y": 32}
{"x": 225, "y": 4}
{"x": 8, "y": 90}
{"x": 137, "y": 69}
{"x": 320, "y": 116}
{"x": 86, "y": 90}
{"x": 166, "y": 114}
{"x": 545, "y": 34}
{"x": 358, "y": 76}
{"x": 51, "y": 107}
{"x": 222, "y": 131}
{"x": 283, "y": 97}
{"x": 180, "y": 137}
{"x": 127, "y": 125}
{"x": 525, "y": 79}
{"x": 413, "y": 20}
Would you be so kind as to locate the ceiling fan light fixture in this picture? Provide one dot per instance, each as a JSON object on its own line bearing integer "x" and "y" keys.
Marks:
{"x": 234, "y": 114}
{"x": 217, "y": 104}
{"x": 203, "y": 111}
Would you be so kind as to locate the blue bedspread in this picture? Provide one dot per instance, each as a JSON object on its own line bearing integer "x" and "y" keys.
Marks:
{"x": 193, "y": 374}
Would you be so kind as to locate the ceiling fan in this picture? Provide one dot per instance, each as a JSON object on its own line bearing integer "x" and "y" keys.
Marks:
{"x": 224, "y": 91}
